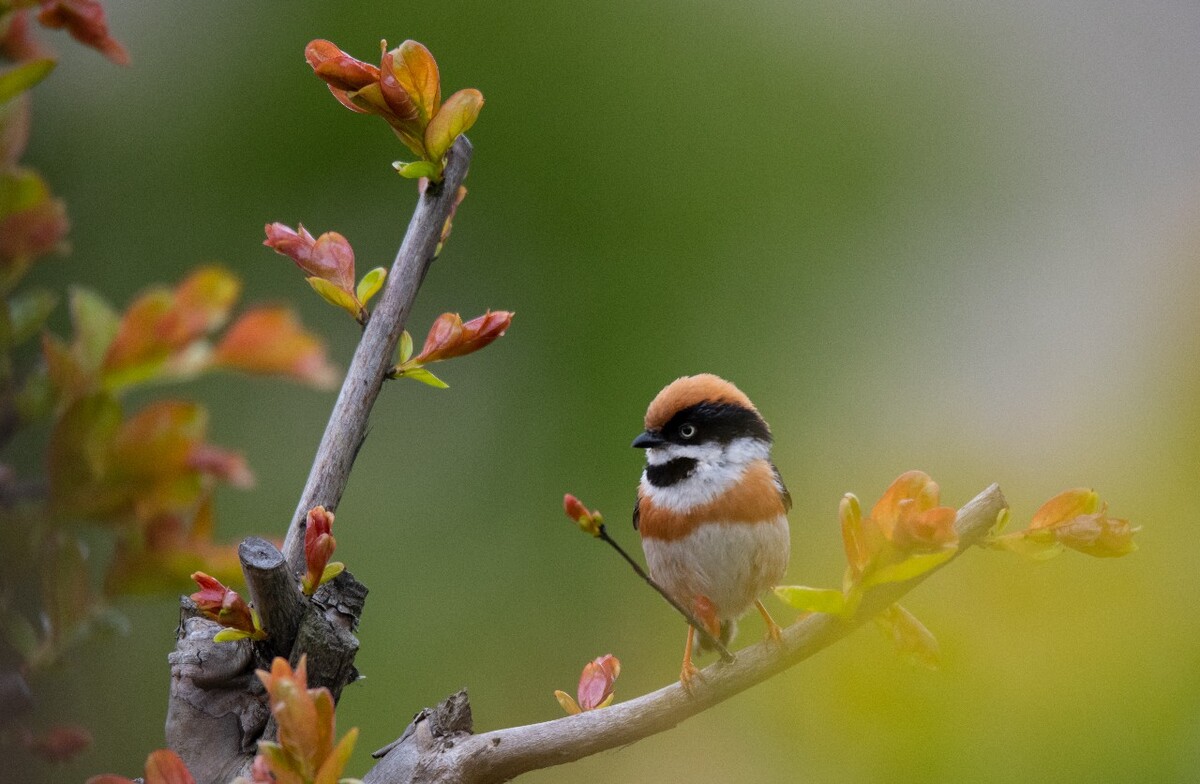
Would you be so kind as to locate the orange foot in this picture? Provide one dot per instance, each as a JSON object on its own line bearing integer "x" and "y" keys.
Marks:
{"x": 689, "y": 674}
{"x": 773, "y": 630}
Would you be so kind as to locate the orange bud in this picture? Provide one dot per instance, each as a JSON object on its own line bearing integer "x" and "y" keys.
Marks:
{"x": 450, "y": 337}
{"x": 932, "y": 529}
{"x": 1067, "y": 505}
{"x": 222, "y": 604}
{"x": 319, "y": 545}
{"x": 590, "y": 522}
{"x": 329, "y": 257}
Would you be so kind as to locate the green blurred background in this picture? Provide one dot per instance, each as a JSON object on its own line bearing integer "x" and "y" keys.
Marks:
{"x": 954, "y": 236}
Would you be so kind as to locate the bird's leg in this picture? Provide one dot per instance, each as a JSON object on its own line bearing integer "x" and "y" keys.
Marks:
{"x": 706, "y": 613}
{"x": 773, "y": 630}
{"x": 689, "y": 672}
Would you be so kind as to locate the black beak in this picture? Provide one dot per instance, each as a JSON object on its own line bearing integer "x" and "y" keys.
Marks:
{"x": 651, "y": 438}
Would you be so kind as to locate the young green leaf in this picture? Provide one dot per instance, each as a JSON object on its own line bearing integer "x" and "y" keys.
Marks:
{"x": 910, "y": 567}
{"x": 334, "y": 295}
{"x": 20, "y": 78}
{"x": 417, "y": 169}
{"x": 406, "y": 346}
{"x": 455, "y": 117}
{"x": 425, "y": 377}
{"x": 822, "y": 600}
{"x": 370, "y": 284}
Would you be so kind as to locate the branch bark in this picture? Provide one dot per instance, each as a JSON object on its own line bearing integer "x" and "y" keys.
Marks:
{"x": 429, "y": 753}
{"x": 347, "y": 425}
{"x": 217, "y": 709}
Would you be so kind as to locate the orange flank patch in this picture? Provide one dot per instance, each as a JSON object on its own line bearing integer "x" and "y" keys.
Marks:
{"x": 689, "y": 391}
{"x": 754, "y": 499}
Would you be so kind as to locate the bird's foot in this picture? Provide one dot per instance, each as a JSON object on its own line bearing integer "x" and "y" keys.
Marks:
{"x": 689, "y": 675}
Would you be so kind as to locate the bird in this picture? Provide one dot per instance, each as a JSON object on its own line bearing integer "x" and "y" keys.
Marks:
{"x": 711, "y": 507}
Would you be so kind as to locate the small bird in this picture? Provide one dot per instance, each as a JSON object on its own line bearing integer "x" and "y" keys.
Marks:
{"x": 711, "y": 506}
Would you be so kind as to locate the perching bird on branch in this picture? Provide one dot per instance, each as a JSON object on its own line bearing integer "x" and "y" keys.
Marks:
{"x": 711, "y": 508}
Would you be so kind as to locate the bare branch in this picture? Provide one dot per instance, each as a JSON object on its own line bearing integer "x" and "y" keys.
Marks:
{"x": 274, "y": 591}
{"x": 217, "y": 711}
{"x": 423, "y": 754}
{"x": 376, "y": 351}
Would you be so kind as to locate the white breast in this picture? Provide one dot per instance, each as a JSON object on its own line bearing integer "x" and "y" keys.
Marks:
{"x": 731, "y": 564}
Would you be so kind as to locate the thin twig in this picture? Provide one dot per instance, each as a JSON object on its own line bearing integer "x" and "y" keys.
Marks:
{"x": 695, "y": 622}
{"x": 376, "y": 352}
{"x": 503, "y": 754}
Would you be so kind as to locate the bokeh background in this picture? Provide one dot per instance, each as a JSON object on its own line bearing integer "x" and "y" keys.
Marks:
{"x": 955, "y": 236}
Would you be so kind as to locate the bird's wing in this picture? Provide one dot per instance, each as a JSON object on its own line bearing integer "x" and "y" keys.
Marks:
{"x": 784, "y": 495}
{"x": 637, "y": 509}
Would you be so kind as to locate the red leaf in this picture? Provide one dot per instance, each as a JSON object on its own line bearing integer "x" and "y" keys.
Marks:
{"x": 271, "y": 341}
{"x": 84, "y": 20}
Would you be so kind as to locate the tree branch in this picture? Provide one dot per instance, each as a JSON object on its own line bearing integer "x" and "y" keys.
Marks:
{"x": 217, "y": 709}
{"x": 430, "y": 754}
{"x": 376, "y": 352}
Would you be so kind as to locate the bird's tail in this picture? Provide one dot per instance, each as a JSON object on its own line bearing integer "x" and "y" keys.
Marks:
{"x": 728, "y": 630}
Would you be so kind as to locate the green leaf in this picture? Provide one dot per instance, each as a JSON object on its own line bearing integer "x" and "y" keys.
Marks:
{"x": 335, "y": 296}
{"x": 370, "y": 284}
{"x": 230, "y": 635}
{"x": 406, "y": 346}
{"x": 910, "y": 567}
{"x": 425, "y": 377}
{"x": 96, "y": 325}
{"x": 17, "y": 80}
{"x": 331, "y": 570}
{"x": 822, "y": 600}
{"x": 456, "y": 117}
{"x": 1002, "y": 519}
{"x": 21, "y": 189}
{"x": 28, "y": 311}
{"x": 335, "y": 763}
{"x": 418, "y": 169}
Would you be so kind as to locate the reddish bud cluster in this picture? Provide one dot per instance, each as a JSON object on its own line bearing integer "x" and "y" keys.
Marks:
{"x": 227, "y": 608}
{"x": 596, "y": 684}
{"x": 590, "y": 522}
{"x": 305, "y": 750}
{"x": 328, "y": 261}
{"x": 319, "y": 545}
{"x": 449, "y": 337}
{"x": 1072, "y": 519}
{"x": 405, "y": 90}
{"x": 85, "y": 21}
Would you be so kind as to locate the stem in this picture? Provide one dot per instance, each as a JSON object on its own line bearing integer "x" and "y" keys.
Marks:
{"x": 695, "y": 623}
{"x": 376, "y": 352}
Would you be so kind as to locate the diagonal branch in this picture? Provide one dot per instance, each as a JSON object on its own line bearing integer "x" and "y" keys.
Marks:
{"x": 427, "y": 754}
{"x": 376, "y": 352}
{"x": 216, "y": 710}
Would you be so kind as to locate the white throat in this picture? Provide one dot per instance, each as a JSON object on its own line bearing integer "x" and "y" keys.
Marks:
{"x": 718, "y": 468}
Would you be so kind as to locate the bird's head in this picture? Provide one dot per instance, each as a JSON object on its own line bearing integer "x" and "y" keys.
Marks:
{"x": 703, "y": 420}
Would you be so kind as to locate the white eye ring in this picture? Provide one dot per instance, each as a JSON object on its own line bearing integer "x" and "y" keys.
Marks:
{"x": 687, "y": 430}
